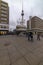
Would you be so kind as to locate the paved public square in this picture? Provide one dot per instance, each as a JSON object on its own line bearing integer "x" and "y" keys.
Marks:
{"x": 17, "y": 50}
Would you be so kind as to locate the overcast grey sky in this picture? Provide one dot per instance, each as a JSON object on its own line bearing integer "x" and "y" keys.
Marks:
{"x": 31, "y": 7}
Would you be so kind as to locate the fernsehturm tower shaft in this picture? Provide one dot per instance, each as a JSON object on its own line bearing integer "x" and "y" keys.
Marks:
{"x": 22, "y": 14}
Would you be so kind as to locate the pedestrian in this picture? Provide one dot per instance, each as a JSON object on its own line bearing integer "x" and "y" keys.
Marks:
{"x": 31, "y": 36}
{"x": 38, "y": 36}
{"x": 28, "y": 36}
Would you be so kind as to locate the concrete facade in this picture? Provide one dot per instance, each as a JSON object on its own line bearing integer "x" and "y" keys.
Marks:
{"x": 36, "y": 23}
{"x": 27, "y": 24}
{"x": 4, "y": 17}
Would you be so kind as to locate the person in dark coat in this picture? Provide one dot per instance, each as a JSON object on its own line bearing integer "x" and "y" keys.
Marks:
{"x": 38, "y": 36}
{"x": 30, "y": 36}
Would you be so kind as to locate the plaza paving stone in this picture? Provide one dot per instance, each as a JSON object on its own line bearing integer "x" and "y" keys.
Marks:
{"x": 17, "y": 50}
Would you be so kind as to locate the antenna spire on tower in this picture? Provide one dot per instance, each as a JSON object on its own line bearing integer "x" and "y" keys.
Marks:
{"x": 22, "y": 4}
{"x": 22, "y": 14}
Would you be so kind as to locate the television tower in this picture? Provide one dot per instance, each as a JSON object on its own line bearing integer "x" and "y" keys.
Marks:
{"x": 22, "y": 14}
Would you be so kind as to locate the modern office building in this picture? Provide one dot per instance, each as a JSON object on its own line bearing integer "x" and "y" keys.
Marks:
{"x": 4, "y": 17}
{"x": 27, "y": 24}
{"x": 36, "y": 23}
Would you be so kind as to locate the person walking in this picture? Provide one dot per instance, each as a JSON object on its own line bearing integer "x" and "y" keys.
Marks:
{"x": 38, "y": 36}
{"x": 30, "y": 36}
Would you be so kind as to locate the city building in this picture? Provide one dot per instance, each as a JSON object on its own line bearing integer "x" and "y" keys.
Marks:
{"x": 4, "y": 17}
{"x": 36, "y": 23}
{"x": 27, "y": 24}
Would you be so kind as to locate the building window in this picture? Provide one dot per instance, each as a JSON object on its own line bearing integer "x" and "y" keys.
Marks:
{"x": 3, "y": 11}
{"x": 4, "y": 26}
{"x": 4, "y": 8}
{"x": 0, "y": 26}
{"x": 3, "y": 15}
{"x": 3, "y": 18}
{"x": 4, "y": 3}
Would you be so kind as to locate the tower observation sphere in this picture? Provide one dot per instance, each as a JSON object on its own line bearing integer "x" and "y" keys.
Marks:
{"x": 22, "y": 13}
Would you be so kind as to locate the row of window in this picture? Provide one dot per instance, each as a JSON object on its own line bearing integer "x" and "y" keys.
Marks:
{"x": 5, "y": 22}
{"x": 5, "y": 8}
{"x": 4, "y": 4}
{"x": 4, "y": 15}
{"x": 4, "y": 19}
{"x": 3, "y": 27}
{"x": 3, "y": 11}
